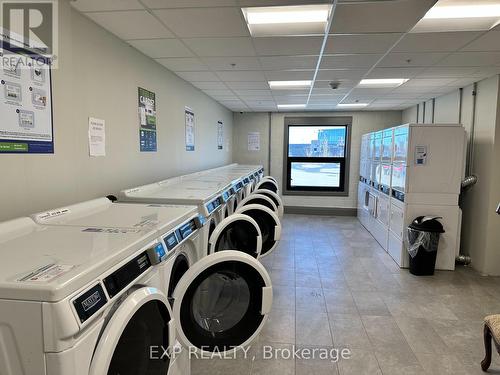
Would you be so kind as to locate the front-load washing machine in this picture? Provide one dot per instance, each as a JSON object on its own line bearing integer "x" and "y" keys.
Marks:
{"x": 102, "y": 214}
{"x": 261, "y": 199}
{"x": 269, "y": 225}
{"x": 208, "y": 200}
{"x": 275, "y": 198}
{"x": 269, "y": 184}
{"x": 85, "y": 301}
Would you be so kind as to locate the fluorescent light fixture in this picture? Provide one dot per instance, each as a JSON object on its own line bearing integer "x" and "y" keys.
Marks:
{"x": 463, "y": 11}
{"x": 291, "y": 106}
{"x": 453, "y": 15}
{"x": 287, "y": 20}
{"x": 277, "y": 85}
{"x": 352, "y": 105}
{"x": 382, "y": 83}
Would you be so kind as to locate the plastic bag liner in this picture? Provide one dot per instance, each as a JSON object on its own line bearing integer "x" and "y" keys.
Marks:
{"x": 423, "y": 232}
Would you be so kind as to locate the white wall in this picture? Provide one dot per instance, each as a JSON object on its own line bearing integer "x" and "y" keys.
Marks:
{"x": 480, "y": 226}
{"x": 98, "y": 76}
{"x": 362, "y": 122}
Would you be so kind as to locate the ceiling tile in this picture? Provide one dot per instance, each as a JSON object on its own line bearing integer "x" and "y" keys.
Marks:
{"x": 296, "y": 45}
{"x": 288, "y": 62}
{"x": 361, "y": 43}
{"x": 244, "y": 75}
{"x": 186, "y": 64}
{"x": 198, "y": 76}
{"x": 447, "y": 72}
{"x": 435, "y": 42}
{"x": 289, "y": 75}
{"x": 105, "y": 5}
{"x": 488, "y": 42}
{"x": 204, "y": 22}
{"x": 260, "y": 103}
{"x": 246, "y": 92}
{"x": 339, "y": 74}
{"x": 472, "y": 59}
{"x": 217, "y": 47}
{"x": 371, "y": 91}
{"x": 394, "y": 72}
{"x": 158, "y": 48}
{"x": 437, "y": 82}
{"x": 225, "y": 63}
{"x": 379, "y": 16}
{"x": 209, "y": 85}
{"x": 248, "y": 85}
{"x": 411, "y": 59}
{"x": 162, "y": 4}
{"x": 349, "y": 61}
{"x": 290, "y": 99}
{"x": 264, "y": 3}
{"x": 131, "y": 24}
{"x": 220, "y": 93}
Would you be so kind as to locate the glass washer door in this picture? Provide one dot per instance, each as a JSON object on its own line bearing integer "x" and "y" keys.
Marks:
{"x": 142, "y": 320}
{"x": 269, "y": 224}
{"x": 222, "y": 302}
{"x": 259, "y": 199}
{"x": 237, "y": 232}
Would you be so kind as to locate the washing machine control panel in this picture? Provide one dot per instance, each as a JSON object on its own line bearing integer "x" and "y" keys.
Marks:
{"x": 213, "y": 205}
{"x": 171, "y": 241}
{"x": 246, "y": 181}
{"x": 123, "y": 276}
{"x": 226, "y": 195}
{"x": 238, "y": 186}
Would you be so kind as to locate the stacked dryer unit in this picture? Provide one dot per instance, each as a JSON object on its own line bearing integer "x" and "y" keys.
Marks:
{"x": 409, "y": 171}
{"x": 92, "y": 300}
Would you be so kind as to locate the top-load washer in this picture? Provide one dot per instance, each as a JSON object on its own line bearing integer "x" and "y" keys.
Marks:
{"x": 90, "y": 301}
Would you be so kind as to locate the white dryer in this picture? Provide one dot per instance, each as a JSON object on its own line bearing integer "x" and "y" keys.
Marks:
{"x": 89, "y": 302}
{"x": 269, "y": 184}
{"x": 274, "y": 197}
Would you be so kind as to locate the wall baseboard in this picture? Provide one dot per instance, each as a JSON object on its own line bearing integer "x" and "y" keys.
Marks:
{"x": 326, "y": 211}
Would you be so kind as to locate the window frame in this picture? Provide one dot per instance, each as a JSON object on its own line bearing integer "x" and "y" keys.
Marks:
{"x": 343, "y": 189}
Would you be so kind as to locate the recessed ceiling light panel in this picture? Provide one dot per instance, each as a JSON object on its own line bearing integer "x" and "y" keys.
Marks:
{"x": 287, "y": 20}
{"x": 289, "y": 85}
{"x": 452, "y": 15}
{"x": 352, "y": 105}
{"x": 291, "y": 106}
{"x": 382, "y": 83}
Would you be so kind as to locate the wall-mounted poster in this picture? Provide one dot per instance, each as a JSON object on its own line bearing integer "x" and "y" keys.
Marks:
{"x": 254, "y": 141}
{"x": 189, "y": 118}
{"x": 147, "y": 120}
{"x": 97, "y": 137}
{"x": 25, "y": 103}
{"x": 220, "y": 135}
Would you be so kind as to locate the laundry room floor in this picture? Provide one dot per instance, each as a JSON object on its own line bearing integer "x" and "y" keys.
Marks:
{"x": 336, "y": 288}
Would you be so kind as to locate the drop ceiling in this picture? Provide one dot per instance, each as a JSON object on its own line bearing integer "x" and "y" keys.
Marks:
{"x": 207, "y": 43}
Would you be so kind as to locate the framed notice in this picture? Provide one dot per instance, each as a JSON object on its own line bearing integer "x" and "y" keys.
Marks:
{"x": 147, "y": 120}
{"x": 25, "y": 103}
{"x": 189, "y": 123}
{"x": 253, "y": 141}
{"x": 220, "y": 135}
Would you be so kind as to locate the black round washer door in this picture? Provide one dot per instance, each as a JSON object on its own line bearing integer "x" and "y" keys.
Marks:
{"x": 267, "y": 224}
{"x": 257, "y": 200}
{"x": 240, "y": 235}
{"x": 222, "y": 308}
{"x": 269, "y": 185}
{"x": 148, "y": 328}
{"x": 179, "y": 268}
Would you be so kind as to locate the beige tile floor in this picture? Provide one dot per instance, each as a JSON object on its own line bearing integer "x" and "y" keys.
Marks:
{"x": 335, "y": 287}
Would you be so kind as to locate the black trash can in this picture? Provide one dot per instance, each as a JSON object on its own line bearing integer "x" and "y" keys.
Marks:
{"x": 423, "y": 242}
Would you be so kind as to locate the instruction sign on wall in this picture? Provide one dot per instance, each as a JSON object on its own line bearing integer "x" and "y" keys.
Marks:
{"x": 220, "y": 135}
{"x": 189, "y": 122}
{"x": 25, "y": 103}
{"x": 147, "y": 120}
{"x": 253, "y": 141}
{"x": 97, "y": 137}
